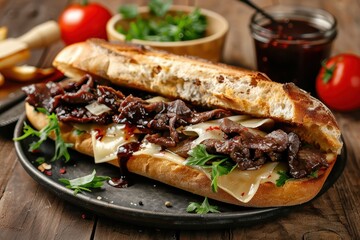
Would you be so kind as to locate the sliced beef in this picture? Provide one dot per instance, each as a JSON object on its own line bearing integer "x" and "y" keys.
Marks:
{"x": 274, "y": 141}
{"x": 42, "y": 95}
{"x": 81, "y": 115}
{"x": 161, "y": 124}
{"x": 110, "y": 97}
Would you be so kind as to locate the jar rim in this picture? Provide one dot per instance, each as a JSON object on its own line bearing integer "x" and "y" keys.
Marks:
{"x": 323, "y": 20}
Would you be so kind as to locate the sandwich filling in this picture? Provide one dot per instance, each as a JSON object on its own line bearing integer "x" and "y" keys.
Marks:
{"x": 124, "y": 124}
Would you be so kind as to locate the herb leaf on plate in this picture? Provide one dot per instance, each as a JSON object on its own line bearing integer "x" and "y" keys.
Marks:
{"x": 85, "y": 183}
{"x": 202, "y": 208}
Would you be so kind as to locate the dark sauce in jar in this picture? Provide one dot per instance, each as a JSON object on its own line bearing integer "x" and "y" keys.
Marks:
{"x": 294, "y": 55}
{"x": 292, "y": 49}
{"x": 124, "y": 153}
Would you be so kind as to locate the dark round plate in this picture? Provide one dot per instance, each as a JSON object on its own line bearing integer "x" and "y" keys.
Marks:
{"x": 144, "y": 202}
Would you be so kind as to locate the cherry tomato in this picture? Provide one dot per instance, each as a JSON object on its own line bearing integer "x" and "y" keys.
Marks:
{"x": 79, "y": 22}
{"x": 338, "y": 82}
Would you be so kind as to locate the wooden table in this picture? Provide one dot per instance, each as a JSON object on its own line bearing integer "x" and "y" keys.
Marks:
{"x": 29, "y": 211}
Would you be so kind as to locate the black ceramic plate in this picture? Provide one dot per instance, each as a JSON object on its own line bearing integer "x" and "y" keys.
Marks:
{"x": 144, "y": 202}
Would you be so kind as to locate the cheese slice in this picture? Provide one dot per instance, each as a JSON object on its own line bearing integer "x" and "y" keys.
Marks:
{"x": 155, "y": 150}
{"x": 244, "y": 184}
{"x": 211, "y": 129}
{"x": 97, "y": 108}
{"x": 240, "y": 184}
{"x": 105, "y": 148}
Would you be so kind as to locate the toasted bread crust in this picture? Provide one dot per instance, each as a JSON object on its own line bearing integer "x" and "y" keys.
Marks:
{"x": 190, "y": 179}
{"x": 206, "y": 84}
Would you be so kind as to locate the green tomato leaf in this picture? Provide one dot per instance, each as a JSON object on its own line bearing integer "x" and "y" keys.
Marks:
{"x": 329, "y": 71}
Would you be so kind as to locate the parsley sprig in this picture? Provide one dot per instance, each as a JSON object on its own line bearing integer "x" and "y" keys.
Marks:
{"x": 61, "y": 147}
{"x": 283, "y": 177}
{"x": 202, "y": 208}
{"x": 160, "y": 26}
{"x": 218, "y": 164}
{"x": 85, "y": 183}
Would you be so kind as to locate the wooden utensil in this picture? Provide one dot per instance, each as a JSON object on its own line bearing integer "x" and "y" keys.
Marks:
{"x": 15, "y": 50}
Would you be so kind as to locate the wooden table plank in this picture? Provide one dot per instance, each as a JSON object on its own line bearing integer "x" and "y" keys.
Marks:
{"x": 109, "y": 229}
{"x": 28, "y": 211}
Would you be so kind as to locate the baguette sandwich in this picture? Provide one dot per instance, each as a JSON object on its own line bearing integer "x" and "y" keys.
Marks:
{"x": 222, "y": 132}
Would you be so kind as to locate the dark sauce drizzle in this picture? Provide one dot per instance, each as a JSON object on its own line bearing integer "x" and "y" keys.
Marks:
{"x": 124, "y": 153}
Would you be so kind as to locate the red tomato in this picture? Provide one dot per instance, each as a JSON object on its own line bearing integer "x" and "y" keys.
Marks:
{"x": 80, "y": 22}
{"x": 338, "y": 82}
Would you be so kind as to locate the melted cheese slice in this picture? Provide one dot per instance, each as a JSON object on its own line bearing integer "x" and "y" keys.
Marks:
{"x": 105, "y": 149}
{"x": 152, "y": 149}
{"x": 211, "y": 129}
{"x": 244, "y": 184}
{"x": 240, "y": 184}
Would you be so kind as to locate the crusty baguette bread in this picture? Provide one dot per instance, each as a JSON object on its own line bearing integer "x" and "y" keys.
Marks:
{"x": 206, "y": 84}
{"x": 190, "y": 179}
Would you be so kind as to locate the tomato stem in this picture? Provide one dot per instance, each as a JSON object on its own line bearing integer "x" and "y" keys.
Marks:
{"x": 84, "y": 2}
{"x": 328, "y": 71}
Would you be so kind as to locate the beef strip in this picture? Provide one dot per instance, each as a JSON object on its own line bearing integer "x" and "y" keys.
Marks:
{"x": 250, "y": 150}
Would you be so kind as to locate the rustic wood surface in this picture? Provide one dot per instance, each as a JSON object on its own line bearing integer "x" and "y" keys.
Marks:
{"x": 29, "y": 211}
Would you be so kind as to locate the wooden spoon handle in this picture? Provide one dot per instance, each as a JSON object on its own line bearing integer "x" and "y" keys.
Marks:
{"x": 42, "y": 35}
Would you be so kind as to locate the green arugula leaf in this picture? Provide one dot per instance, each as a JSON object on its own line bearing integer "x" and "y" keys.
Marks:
{"x": 28, "y": 131}
{"x": 128, "y": 11}
{"x": 61, "y": 148}
{"x": 199, "y": 156}
{"x": 40, "y": 160}
{"x": 314, "y": 174}
{"x": 222, "y": 166}
{"x": 78, "y": 132}
{"x": 159, "y": 7}
{"x": 163, "y": 27}
{"x": 202, "y": 208}
{"x": 84, "y": 183}
{"x": 283, "y": 177}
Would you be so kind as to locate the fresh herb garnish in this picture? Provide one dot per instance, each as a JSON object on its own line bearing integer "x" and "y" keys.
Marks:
{"x": 78, "y": 132}
{"x": 161, "y": 26}
{"x": 85, "y": 183}
{"x": 128, "y": 11}
{"x": 40, "y": 160}
{"x": 283, "y": 177}
{"x": 314, "y": 174}
{"x": 218, "y": 164}
{"x": 61, "y": 148}
{"x": 159, "y": 7}
{"x": 202, "y": 208}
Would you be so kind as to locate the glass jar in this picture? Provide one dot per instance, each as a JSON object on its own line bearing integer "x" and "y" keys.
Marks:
{"x": 293, "y": 48}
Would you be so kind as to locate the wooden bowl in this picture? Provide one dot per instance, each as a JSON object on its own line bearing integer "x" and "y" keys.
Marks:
{"x": 209, "y": 47}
